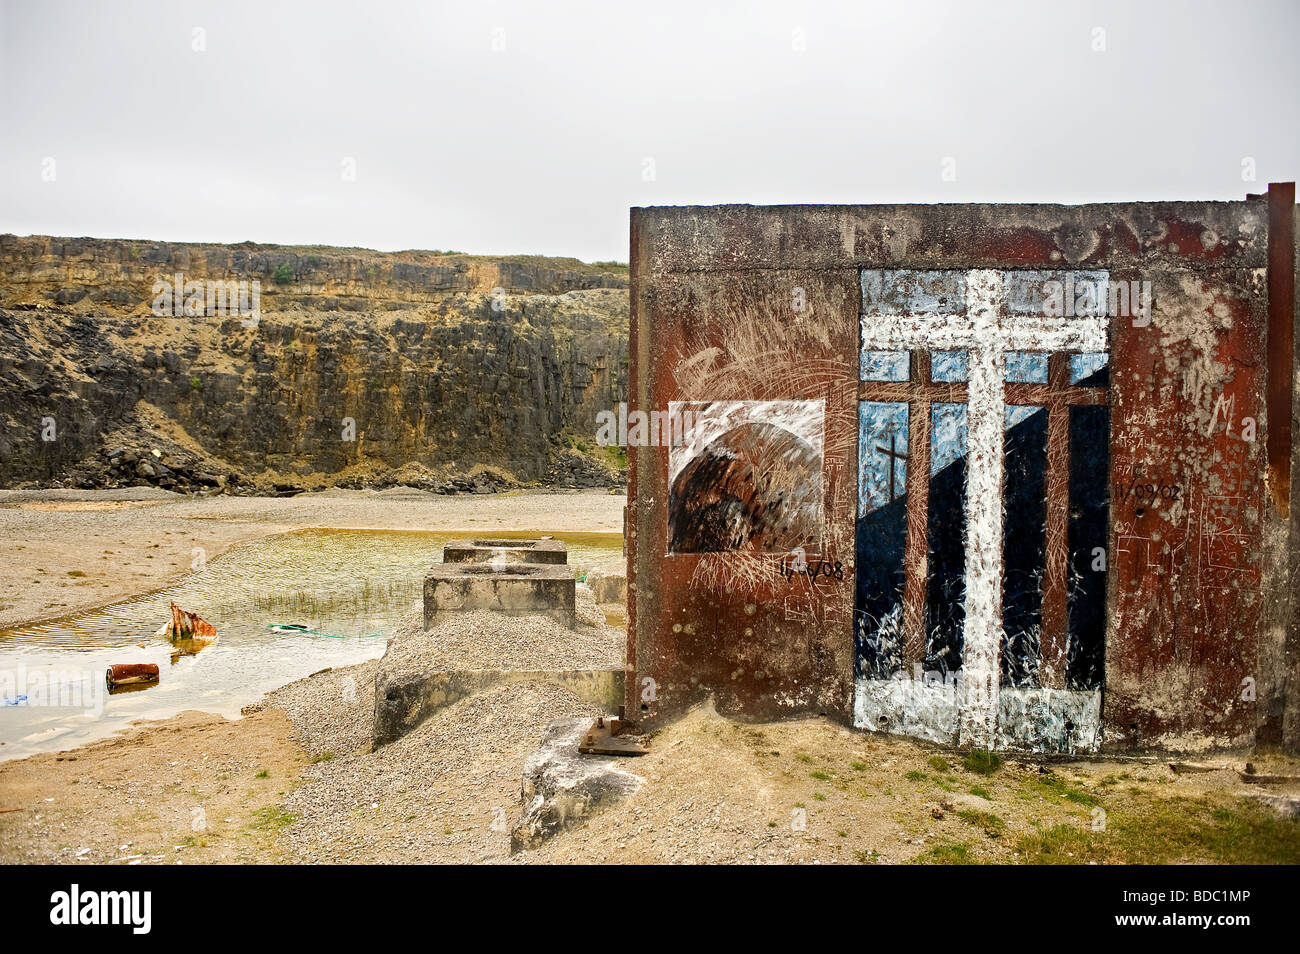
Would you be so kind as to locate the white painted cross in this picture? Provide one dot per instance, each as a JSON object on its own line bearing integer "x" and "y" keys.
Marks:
{"x": 987, "y": 332}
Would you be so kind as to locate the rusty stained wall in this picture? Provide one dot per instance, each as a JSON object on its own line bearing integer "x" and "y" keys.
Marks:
{"x": 1188, "y": 621}
{"x": 731, "y": 624}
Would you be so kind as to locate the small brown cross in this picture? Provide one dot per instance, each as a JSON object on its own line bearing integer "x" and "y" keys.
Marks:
{"x": 894, "y": 456}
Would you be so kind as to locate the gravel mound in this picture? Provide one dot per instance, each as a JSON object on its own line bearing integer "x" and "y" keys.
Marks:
{"x": 446, "y": 792}
{"x": 331, "y": 711}
{"x": 487, "y": 640}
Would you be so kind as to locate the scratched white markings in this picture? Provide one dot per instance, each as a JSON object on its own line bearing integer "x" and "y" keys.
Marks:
{"x": 988, "y": 329}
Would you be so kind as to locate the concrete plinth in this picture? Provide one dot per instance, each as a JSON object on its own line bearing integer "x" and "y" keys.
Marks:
{"x": 488, "y": 549}
{"x": 516, "y": 589}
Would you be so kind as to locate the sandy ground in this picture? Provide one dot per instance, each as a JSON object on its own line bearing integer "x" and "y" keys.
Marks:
{"x": 73, "y": 550}
{"x": 199, "y": 789}
{"x": 297, "y": 780}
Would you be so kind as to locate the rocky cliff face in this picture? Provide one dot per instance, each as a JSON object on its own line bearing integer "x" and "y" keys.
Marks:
{"x": 440, "y": 370}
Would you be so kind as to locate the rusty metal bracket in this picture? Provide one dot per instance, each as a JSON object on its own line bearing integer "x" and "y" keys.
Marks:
{"x": 611, "y": 737}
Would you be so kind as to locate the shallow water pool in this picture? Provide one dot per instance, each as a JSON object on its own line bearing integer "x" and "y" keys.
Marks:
{"x": 351, "y": 584}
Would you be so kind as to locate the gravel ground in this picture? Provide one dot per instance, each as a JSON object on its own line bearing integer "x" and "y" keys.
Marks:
{"x": 486, "y": 640}
{"x": 331, "y": 711}
{"x": 446, "y": 792}
{"x": 196, "y": 789}
{"x": 449, "y": 790}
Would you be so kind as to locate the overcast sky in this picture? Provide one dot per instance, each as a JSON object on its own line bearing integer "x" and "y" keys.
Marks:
{"x": 501, "y": 127}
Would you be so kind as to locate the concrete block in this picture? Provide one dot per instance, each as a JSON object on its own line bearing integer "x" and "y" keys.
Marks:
{"x": 404, "y": 699}
{"x": 608, "y": 583}
{"x": 515, "y": 589}
{"x": 489, "y": 549}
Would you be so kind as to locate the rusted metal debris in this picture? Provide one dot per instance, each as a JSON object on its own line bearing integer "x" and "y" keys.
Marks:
{"x": 1253, "y": 777}
{"x": 187, "y": 632}
{"x": 187, "y": 626}
{"x": 611, "y": 737}
{"x": 131, "y": 674}
{"x": 1193, "y": 768}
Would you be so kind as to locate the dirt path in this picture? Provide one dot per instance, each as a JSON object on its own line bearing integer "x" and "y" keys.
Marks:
{"x": 68, "y": 551}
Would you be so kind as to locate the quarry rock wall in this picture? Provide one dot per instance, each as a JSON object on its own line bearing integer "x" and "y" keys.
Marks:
{"x": 359, "y": 366}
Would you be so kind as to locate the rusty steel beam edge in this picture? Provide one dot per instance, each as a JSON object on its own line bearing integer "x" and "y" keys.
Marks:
{"x": 916, "y": 544}
{"x": 903, "y": 391}
{"x": 1054, "y": 641}
{"x": 632, "y": 515}
{"x": 1281, "y": 341}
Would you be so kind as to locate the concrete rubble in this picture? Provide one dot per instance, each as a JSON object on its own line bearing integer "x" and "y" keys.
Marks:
{"x": 562, "y": 788}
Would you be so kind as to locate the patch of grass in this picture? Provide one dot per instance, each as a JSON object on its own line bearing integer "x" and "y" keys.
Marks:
{"x": 283, "y": 274}
{"x": 915, "y": 776}
{"x": 771, "y": 824}
{"x": 1053, "y": 786}
{"x": 803, "y": 758}
{"x": 857, "y": 766}
{"x": 1061, "y": 845}
{"x": 819, "y": 775}
{"x": 272, "y": 818}
{"x": 980, "y": 793}
{"x": 864, "y": 857}
{"x": 939, "y": 763}
{"x": 1170, "y": 831}
{"x": 819, "y": 796}
{"x": 196, "y": 382}
{"x": 952, "y": 853}
{"x": 982, "y": 762}
{"x": 263, "y": 774}
{"x": 323, "y": 757}
{"x": 991, "y": 824}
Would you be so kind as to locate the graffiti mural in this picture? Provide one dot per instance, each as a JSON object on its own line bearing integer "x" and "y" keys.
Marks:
{"x": 746, "y": 476}
{"x": 983, "y": 476}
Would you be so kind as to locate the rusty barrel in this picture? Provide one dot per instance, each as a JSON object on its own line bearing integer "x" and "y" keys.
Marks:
{"x": 131, "y": 674}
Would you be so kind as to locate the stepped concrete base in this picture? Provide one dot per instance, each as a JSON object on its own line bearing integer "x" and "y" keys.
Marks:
{"x": 517, "y": 589}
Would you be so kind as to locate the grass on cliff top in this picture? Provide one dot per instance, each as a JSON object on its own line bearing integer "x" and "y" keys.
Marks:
{"x": 314, "y": 254}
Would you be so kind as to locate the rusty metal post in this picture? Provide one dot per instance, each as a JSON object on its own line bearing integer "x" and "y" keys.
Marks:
{"x": 1281, "y": 340}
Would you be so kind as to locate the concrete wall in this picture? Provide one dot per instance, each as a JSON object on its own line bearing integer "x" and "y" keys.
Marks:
{"x": 1198, "y": 628}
